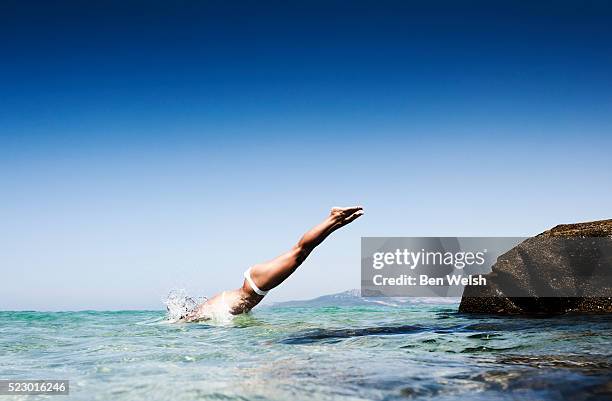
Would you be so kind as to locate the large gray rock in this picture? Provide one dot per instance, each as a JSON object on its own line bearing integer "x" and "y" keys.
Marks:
{"x": 561, "y": 270}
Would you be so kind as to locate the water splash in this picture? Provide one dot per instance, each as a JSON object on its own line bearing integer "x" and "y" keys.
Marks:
{"x": 179, "y": 304}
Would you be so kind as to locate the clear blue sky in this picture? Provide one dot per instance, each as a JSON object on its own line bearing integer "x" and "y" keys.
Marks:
{"x": 146, "y": 146}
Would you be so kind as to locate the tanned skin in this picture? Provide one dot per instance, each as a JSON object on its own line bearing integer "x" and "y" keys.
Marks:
{"x": 269, "y": 275}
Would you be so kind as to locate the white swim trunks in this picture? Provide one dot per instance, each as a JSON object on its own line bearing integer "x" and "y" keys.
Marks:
{"x": 247, "y": 276}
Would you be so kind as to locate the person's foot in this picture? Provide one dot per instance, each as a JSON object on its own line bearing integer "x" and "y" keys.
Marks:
{"x": 344, "y": 215}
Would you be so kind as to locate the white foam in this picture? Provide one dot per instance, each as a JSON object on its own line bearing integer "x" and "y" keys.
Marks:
{"x": 179, "y": 304}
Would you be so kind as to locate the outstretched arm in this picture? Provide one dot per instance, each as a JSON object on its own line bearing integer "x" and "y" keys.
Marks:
{"x": 270, "y": 274}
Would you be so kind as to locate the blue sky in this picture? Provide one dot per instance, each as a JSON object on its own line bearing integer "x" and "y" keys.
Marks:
{"x": 146, "y": 146}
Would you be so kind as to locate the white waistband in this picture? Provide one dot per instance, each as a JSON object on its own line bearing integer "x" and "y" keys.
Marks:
{"x": 247, "y": 276}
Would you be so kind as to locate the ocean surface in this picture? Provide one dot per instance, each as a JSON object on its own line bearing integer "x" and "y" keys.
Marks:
{"x": 368, "y": 352}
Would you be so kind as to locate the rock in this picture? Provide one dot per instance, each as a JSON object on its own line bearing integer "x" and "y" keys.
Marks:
{"x": 565, "y": 269}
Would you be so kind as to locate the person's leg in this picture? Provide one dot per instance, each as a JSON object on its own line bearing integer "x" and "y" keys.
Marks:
{"x": 270, "y": 274}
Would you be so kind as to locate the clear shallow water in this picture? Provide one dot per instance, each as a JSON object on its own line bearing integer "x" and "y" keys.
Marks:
{"x": 340, "y": 353}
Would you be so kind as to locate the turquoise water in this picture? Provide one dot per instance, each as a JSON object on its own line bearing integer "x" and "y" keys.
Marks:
{"x": 340, "y": 353}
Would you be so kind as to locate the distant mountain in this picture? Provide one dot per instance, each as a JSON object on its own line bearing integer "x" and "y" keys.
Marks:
{"x": 353, "y": 298}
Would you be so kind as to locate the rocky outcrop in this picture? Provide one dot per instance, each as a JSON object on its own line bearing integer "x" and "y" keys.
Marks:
{"x": 565, "y": 269}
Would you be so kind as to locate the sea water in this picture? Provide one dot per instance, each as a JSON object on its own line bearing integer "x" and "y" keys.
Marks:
{"x": 377, "y": 352}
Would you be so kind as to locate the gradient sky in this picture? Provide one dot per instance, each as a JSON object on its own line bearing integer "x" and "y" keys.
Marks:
{"x": 148, "y": 146}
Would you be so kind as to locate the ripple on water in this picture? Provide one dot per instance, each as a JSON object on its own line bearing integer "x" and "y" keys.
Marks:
{"x": 375, "y": 353}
